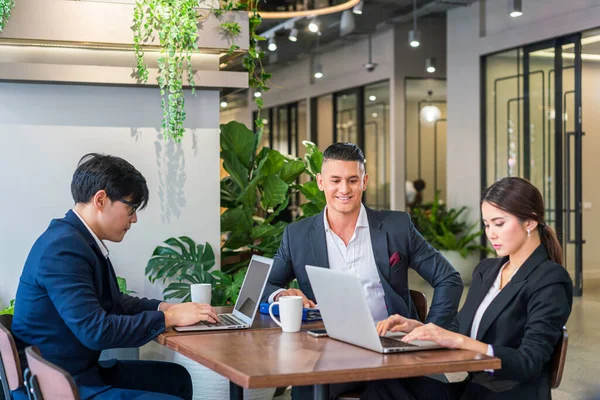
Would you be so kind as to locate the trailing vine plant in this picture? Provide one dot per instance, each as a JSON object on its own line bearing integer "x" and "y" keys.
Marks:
{"x": 176, "y": 23}
{"x": 5, "y": 7}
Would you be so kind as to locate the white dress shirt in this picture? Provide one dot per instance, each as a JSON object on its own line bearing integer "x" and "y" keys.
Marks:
{"x": 99, "y": 242}
{"x": 485, "y": 303}
{"x": 356, "y": 258}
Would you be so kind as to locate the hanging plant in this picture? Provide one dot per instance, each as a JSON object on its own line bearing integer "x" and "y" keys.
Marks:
{"x": 257, "y": 77}
{"x": 5, "y": 7}
{"x": 176, "y": 24}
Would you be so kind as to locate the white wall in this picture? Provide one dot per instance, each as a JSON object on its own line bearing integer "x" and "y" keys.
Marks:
{"x": 45, "y": 129}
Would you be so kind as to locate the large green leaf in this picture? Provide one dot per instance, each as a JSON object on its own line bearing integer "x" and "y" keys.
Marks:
{"x": 238, "y": 172}
{"x": 272, "y": 164}
{"x": 230, "y": 191}
{"x": 236, "y": 220}
{"x": 230, "y": 285}
{"x": 291, "y": 170}
{"x": 240, "y": 141}
{"x": 313, "y": 158}
{"x": 274, "y": 191}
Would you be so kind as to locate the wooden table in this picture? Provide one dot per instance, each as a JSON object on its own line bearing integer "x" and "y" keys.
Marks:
{"x": 269, "y": 358}
{"x": 261, "y": 322}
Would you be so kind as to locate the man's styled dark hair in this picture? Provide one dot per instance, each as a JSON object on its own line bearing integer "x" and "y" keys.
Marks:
{"x": 344, "y": 152}
{"x": 116, "y": 176}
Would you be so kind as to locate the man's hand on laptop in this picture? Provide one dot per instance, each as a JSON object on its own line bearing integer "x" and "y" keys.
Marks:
{"x": 185, "y": 314}
{"x": 397, "y": 323}
{"x": 307, "y": 303}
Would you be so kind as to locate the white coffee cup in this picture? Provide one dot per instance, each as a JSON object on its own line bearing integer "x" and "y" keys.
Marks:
{"x": 290, "y": 312}
{"x": 201, "y": 292}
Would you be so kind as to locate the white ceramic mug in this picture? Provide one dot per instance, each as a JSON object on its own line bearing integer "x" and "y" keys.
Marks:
{"x": 290, "y": 313}
{"x": 201, "y": 292}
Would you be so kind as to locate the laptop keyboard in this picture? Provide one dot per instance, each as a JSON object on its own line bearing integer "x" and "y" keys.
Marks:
{"x": 387, "y": 342}
{"x": 224, "y": 320}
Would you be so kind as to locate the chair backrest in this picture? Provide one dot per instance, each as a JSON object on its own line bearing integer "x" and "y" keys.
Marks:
{"x": 420, "y": 302}
{"x": 54, "y": 382}
{"x": 10, "y": 365}
{"x": 559, "y": 357}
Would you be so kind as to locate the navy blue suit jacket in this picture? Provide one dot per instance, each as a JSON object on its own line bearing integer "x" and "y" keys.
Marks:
{"x": 69, "y": 305}
{"x": 304, "y": 243}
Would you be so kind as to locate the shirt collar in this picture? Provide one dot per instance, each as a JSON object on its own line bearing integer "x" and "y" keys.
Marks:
{"x": 496, "y": 283}
{"x": 361, "y": 222}
{"x": 99, "y": 242}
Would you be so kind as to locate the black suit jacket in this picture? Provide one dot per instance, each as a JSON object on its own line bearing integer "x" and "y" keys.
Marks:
{"x": 523, "y": 324}
{"x": 304, "y": 243}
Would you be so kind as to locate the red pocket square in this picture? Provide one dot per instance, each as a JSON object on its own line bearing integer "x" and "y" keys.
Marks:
{"x": 394, "y": 259}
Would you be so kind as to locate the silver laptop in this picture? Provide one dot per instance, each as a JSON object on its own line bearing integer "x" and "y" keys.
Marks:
{"x": 247, "y": 302}
{"x": 346, "y": 314}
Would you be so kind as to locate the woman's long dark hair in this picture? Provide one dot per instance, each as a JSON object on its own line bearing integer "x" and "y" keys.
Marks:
{"x": 519, "y": 197}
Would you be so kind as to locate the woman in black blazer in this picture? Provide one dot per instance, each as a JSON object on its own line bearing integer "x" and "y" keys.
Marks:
{"x": 515, "y": 309}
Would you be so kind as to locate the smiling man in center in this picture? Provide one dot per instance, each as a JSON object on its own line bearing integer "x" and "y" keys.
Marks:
{"x": 376, "y": 246}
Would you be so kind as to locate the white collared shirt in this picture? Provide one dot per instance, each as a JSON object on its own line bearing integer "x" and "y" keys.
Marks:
{"x": 357, "y": 258}
{"x": 99, "y": 242}
{"x": 485, "y": 303}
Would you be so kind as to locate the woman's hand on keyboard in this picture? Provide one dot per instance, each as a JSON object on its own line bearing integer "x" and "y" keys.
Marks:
{"x": 397, "y": 323}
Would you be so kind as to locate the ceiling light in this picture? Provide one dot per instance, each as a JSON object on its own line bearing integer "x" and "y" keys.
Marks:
{"x": 372, "y": 98}
{"x": 257, "y": 93}
{"x": 430, "y": 113}
{"x": 293, "y": 37}
{"x": 223, "y": 104}
{"x": 414, "y": 37}
{"x": 357, "y": 9}
{"x": 314, "y": 25}
{"x": 374, "y": 115}
{"x": 272, "y": 44}
{"x": 515, "y": 8}
{"x": 319, "y": 71}
{"x": 430, "y": 64}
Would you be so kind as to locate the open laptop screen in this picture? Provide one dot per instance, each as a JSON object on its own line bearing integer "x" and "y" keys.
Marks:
{"x": 252, "y": 288}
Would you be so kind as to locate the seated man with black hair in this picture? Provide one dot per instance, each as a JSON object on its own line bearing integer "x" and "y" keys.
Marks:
{"x": 68, "y": 302}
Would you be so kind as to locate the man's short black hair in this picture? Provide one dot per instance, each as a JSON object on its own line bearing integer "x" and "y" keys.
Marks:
{"x": 112, "y": 174}
{"x": 344, "y": 152}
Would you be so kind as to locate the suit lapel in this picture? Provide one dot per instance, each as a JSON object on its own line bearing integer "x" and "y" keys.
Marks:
{"x": 477, "y": 293}
{"x": 379, "y": 243}
{"x": 318, "y": 242}
{"x": 510, "y": 290}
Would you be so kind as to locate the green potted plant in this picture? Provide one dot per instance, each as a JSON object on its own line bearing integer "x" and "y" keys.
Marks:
{"x": 257, "y": 190}
{"x": 183, "y": 262}
{"x": 453, "y": 237}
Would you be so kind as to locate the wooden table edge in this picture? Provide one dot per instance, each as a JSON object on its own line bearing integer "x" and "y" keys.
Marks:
{"x": 367, "y": 374}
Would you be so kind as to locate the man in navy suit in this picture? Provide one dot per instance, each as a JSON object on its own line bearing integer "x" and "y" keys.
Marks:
{"x": 377, "y": 246}
{"x": 68, "y": 302}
